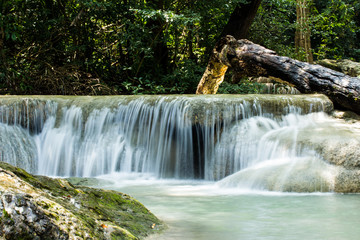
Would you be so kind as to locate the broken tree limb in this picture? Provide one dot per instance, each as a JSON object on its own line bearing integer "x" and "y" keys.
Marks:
{"x": 248, "y": 59}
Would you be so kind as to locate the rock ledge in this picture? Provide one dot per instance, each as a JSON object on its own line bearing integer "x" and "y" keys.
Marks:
{"x": 38, "y": 207}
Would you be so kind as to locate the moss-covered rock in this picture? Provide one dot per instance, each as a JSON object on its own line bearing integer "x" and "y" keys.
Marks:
{"x": 346, "y": 66}
{"x": 39, "y": 207}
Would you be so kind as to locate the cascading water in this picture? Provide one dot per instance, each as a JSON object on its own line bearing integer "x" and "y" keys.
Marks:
{"x": 17, "y": 147}
{"x": 135, "y": 137}
{"x": 268, "y": 154}
{"x": 183, "y": 137}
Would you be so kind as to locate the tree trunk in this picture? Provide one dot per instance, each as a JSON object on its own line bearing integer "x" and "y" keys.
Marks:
{"x": 158, "y": 45}
{"x": 241, "y": 19}
{"x": 302, "y": 34}
{"x": 214, "y": 73}
{"x": 250, "y": 59}
{"x": 237, "y": 26}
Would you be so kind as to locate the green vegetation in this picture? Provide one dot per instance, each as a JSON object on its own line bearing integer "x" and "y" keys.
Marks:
{"x": 97, "y": 47}
{"x": 244, "y": 86}
{"x": 334, "y": 27}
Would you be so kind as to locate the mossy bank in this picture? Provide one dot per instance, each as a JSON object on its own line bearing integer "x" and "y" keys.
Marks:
{"x": 39, "y": 207}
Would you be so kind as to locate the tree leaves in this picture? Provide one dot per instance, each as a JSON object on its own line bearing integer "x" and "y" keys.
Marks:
{"x": 146, "y": 46}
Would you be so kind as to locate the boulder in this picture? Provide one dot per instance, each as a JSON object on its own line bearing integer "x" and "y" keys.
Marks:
{"x": 337, "y": 143}
{"x": 339, "y": 146}
{"x": 347, "y": 181}
{"x": 323, "y": 155}
{"x": 273, "y": 86}
{"x": 38, "y": 207}
{"x": 343, "y": 65}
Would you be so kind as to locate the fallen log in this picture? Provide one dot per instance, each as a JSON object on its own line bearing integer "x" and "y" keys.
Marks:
{"x": 248, "y": 59}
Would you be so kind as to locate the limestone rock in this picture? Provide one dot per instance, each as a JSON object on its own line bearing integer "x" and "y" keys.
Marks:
{"x": 274, "y": 86}
{"x": 338, "y": 145}
{"x": 346, "y": 115}
{"x": 343, "y": 65}
{"x": 37, "y": 207}
{"x": 348, "y": 181}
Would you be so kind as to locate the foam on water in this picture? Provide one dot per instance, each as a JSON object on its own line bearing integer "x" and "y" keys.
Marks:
{"x": 251, "y": 141}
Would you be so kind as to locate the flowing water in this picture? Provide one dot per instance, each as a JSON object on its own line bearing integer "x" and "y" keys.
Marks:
{"x": 213, "y": 167}
{"x": 200, "y": 210}
{"x": 182, "y": 137}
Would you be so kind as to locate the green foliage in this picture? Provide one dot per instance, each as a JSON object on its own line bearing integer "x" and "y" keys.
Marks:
{"x": 336, "y": 29}
{"x": 102, "y": 47}
{"x": 185, "y": 78}
{"x": 146, "y": 47}
{"x": 274, "y": 26}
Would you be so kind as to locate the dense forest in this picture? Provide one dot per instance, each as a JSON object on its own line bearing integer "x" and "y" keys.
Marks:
{"x": 101, "y": 47}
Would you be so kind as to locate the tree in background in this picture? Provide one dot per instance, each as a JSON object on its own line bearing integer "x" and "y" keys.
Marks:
{"x": 274, "y": 26}
{"x": 241, "y": 19}
{"x": 147, "y": 47}
{"x": 336, "y": 29}
{"x": 303, "y": 31}
{"x": 107, "y": 47}
{"x": 237, "y": 26}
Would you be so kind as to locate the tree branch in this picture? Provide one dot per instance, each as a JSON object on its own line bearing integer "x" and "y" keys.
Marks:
{"x": 250, "y": 59}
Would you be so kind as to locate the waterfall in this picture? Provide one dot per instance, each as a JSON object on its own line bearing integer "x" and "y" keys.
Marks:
{"x": 259, "y": 139}
{"x": 135, "y": 137}
{"x": 17, "y": 147}
{"x": 270, "y": 154}
{"x": 184, "y": 137}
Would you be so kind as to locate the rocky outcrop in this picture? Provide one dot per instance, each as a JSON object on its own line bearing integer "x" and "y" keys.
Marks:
{"x": 37, "y": 207}
{"x": 320, "y": 155}
{"x": 337, "y": 143}
{"x": 344, "y": 152}
{"x": 343, "y": 65}
{"x": 273, "y": 86}
{"x": 30, "y": 112}
{"x": 339, "y": 146}
{"x": 347, "y": 181}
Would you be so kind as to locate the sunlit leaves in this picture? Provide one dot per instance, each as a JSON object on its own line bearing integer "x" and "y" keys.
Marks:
{"x": 334, "y": 26}
{"x": 335, "y": 31}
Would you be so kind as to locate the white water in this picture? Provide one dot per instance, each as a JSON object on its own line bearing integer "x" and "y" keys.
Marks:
{"x": 250, "y": 138}
{"x": 132, "y": 138}
{"x": 251, "y": 155}
{"x": 265, "y": 154}
{"x": 17, "y": 147}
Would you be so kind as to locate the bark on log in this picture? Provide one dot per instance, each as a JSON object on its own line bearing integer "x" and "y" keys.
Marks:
{"x": 250, "y": 59}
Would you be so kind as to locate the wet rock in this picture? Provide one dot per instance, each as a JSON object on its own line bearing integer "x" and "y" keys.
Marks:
{"x": 274, "y": 86}
{"x": 346, "y": 115}
{"x": 327, "y": 157}
{"x": 338, "y": 145}
{"x": 197, "y": 108}
{"x": 347, "y": 181}
{"x": 37, "y": 207}
{"x": 306, "y": 175}
{"x": 26, "y": 220}
{"x": 17, "y": 147}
